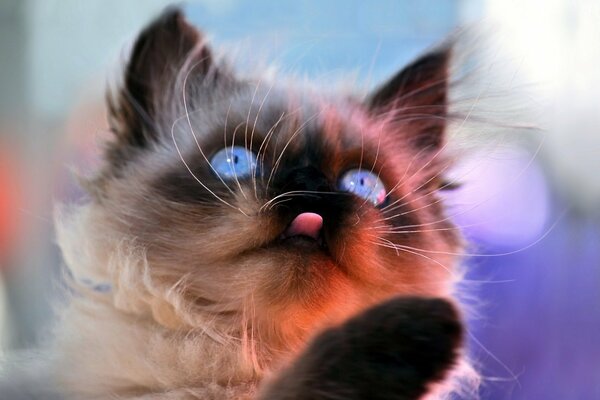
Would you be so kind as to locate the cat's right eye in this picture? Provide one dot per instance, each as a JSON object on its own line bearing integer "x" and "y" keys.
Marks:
{"x": 364, "y": 184}
{"x": 236, "y": 162}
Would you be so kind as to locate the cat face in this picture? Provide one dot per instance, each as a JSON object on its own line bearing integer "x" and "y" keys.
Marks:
{"x": 262, "y": 207}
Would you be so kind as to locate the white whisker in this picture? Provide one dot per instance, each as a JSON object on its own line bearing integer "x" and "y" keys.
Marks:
{"x": 296, "y": 132}
{"x": 194, "y": 175}
{"x": 237, "y": 181}
{"x": 508, "y": 253}
{"x": 187, "y": 116}
{"x": 252, "y": 138}
{"x": 407, "y": 249}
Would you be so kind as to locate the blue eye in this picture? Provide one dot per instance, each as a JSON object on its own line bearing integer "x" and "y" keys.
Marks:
{"x": 232, "y": 162}
{"x": 364, "y": 184}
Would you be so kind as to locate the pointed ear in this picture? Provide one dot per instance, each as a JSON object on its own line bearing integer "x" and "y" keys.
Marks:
{"x": 415, "y": 102}
{"x": 164, "y": 51}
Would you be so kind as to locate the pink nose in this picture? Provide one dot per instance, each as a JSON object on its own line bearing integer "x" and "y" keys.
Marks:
{"x": 305, "y": 224}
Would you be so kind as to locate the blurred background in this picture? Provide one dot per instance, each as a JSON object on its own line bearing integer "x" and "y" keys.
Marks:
{"x": 530, "y": 202}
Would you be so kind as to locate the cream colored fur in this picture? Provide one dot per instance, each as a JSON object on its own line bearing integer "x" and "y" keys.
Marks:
{"x": 111, "y": 343}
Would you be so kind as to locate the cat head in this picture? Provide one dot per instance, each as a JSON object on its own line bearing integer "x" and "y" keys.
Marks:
{"x": 247, "y": 204}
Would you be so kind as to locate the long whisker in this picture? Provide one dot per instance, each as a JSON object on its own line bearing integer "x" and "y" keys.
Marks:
{"x": 403, "y": 230}
{"x": 368, "y": 81}
{"x": 428, "y": 181}
{"x": 194, "y": 175}
{"x": 262, "y": 150}
{"x": 234, "y": 172}
{"x": 225, "y": 141}
{"x": 296, "y": 132}
{"x": 516, "y": 178}
{"x": 401, "y": 180}
{"x": 389, "y": 208}
{"x": 374, "y": 163}
{"x": 471, "y": 109}
{"x": 450, "y": 183}
{"x": 399, "y": 248}
{"x": 508, "y": 253}
{"x": 252, "y": 137}
{"x": 315, "y": 193}
{"x": 246, "y": 127}
{"x": 399, "y": 100}
{"x": 513, "y": 376}
{"x": 187, "y": 116}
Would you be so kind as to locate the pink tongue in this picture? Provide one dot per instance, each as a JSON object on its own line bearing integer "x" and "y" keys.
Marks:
{"x": 306, "y": 224}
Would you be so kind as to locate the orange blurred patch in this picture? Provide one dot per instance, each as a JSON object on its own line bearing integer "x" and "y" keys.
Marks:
{"x": 10, "y": 197}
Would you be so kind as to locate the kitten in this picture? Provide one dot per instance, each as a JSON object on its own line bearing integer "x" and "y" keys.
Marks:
{"x": 256, "y": 237}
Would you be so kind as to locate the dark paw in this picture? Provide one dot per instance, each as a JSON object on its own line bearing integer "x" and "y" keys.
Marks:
{"x": 392, "y": 351}
{"x": 401, "y": 346}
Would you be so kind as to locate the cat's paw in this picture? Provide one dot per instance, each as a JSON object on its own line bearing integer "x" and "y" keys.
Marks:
{"x": 400, "y": 347}
{"x": 392, "y": 351}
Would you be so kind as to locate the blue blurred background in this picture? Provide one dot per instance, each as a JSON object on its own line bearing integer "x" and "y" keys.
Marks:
{"x": 530, "y": 208}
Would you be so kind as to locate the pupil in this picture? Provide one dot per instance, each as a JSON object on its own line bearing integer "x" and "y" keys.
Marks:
{"x": 235, "y": 159}
{"x": 362, "y": 181}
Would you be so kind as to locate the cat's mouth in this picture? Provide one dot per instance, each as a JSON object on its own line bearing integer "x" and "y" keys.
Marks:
{"x": 304, "y": 230}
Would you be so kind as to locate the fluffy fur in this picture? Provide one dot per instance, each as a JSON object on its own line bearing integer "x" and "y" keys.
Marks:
{"x": 204, "y": 299}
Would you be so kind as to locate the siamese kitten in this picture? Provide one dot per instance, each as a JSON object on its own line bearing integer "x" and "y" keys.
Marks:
{"x": 261, "y": 240}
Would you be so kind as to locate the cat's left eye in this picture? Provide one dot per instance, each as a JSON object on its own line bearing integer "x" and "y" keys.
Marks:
{"x": 234, "y": 162}
{"x": 364, "y": 184}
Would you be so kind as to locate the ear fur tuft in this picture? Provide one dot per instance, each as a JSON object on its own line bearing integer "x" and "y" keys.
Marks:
{"x": 415, "y": 100}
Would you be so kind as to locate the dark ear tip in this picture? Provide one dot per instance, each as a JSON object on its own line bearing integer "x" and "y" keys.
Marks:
{"x": 440, "y": 56}
{"x": 412, "y": 83}
{"x": 173, "y": 19}
{"x": 445, "y": 49}
{"x": 443, "y": 54}
{"x": 175, "y": 14}
{"x": 171, "y": 13}
{"x": 168, "y": 37}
